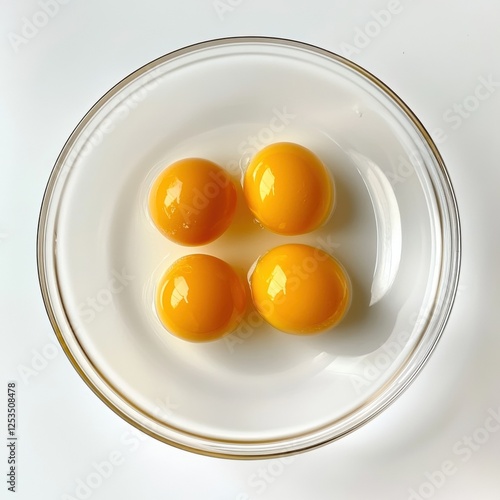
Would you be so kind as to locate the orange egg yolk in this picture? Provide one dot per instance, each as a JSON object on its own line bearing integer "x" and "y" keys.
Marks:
{"x": 200, "y": 298}
{"x": 288, "y": 189}
{"x": 192, "y": 202}
{"x": 300, "y": 289}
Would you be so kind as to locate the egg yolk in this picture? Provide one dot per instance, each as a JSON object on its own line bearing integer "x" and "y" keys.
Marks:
{"x": 192, "y": 202}
{"x": 200, "y": 298}
{"x": 288, "y": 189}
{"x": 300, "y": 289}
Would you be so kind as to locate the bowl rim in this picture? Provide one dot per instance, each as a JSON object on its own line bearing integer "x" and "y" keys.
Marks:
{"x": 211, "y": 448}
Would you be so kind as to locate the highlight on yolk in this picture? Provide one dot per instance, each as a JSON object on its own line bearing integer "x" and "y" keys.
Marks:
{"x": 192, "y": 202}
{"x": 300, "y": 289}
{"x": 200, "y": 298}
{"x": 288, "y": 189}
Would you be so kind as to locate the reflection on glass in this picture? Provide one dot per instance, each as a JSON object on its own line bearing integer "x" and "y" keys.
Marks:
{"x": 388, "y": 221}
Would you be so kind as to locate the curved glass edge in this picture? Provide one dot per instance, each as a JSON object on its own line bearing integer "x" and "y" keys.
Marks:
{"x": 265, "y": 450}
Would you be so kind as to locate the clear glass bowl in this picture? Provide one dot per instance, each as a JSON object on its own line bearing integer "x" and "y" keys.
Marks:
{"x": 258, "y": 392}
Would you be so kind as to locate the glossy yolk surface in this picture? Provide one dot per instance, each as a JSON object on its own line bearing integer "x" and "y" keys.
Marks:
{"x": 288, "y": 189}
{"x": 192, "y": 202}
{"x": 200, "y": 298}
{"x": 300, "y": 289}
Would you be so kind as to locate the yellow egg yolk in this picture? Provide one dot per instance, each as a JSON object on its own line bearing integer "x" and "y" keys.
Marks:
{"x": 288, "y": 189}
{"x": 300, "y": 289}
{"x": 192, "y": 202}
{"x": 200, "y": 298}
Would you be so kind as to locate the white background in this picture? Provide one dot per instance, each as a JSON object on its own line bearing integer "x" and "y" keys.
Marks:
{"x": 434, "y": 54}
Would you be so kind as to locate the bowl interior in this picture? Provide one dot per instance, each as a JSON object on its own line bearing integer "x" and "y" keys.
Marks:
{"x": 256, "y": 392}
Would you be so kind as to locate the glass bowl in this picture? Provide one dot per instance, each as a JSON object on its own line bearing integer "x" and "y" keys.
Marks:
{"x": 258, "y": 392}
